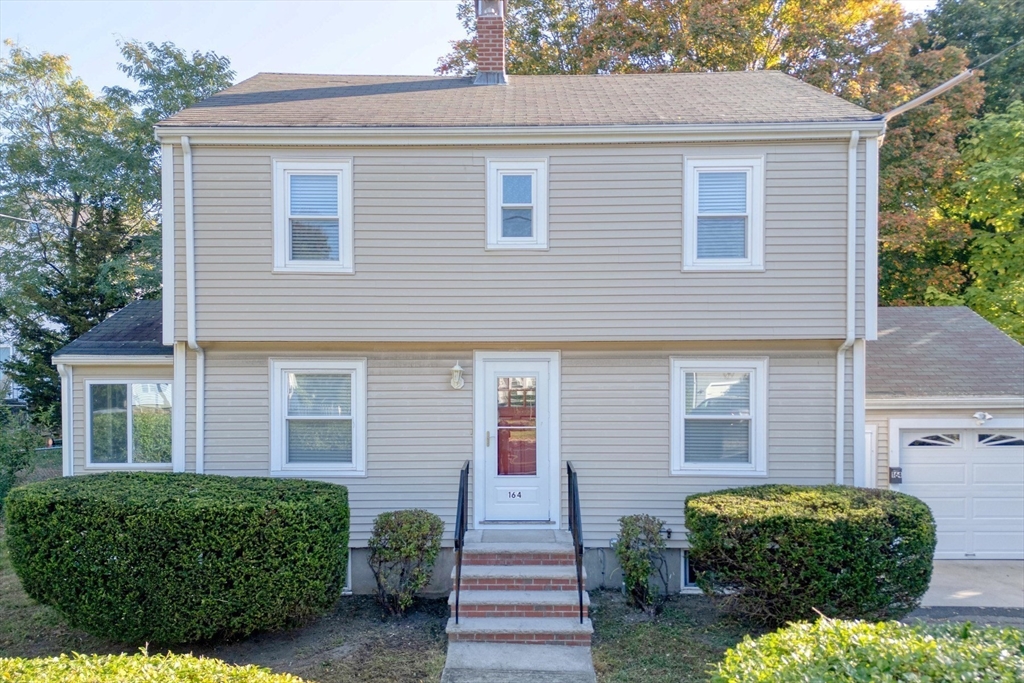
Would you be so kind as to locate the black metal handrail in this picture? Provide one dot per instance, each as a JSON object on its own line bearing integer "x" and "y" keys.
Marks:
{"x": 575, "y": 529}
{"x": 460, "y": 531}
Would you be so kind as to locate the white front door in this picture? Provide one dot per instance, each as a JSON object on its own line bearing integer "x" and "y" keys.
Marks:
{"x": 517, "y": 433}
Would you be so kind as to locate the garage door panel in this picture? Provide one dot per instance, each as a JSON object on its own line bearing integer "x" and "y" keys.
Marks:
{"x": 931, "y": 473}
{"x": 997, "y": 473}
{"x": 975, "y": 491}
{"x": 995, "y": 509}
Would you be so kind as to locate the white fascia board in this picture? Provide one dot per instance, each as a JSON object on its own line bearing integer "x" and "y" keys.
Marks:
{"x": 937, "y": 402}
{"x": 520, "y": 135}
{"x": 71, "y": 359}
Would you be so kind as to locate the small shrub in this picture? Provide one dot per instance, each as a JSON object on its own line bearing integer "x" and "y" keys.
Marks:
{"x": 640, "y": 551}
{"x": 403, "y": 548}
{"x": 856, "y": 651}
{"x": 18, "y": 442}
{"x": 167, "y": 668}
{"x": 171, "y": 558}
{"x": 775, "y": 553}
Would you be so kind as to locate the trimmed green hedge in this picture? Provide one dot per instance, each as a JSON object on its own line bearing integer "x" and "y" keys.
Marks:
{"x": 774, "y": 554}
{"x": 173, "y": 558}
{"x": 861, "y": 652}
{"x": 167, "y": 668}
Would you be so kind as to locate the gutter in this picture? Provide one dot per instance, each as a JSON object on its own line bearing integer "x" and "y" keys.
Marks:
{"x": 851, "y": 302}
{"x": 527, "y": 135}
{"x": 190, "y": 281}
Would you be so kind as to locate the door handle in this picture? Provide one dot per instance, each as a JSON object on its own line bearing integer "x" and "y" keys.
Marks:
{"x": 488, "y": 439}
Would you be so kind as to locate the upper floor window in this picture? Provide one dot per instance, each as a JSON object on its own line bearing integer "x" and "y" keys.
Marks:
{"x": 313, "y": 216}
{"x": 719, "y": 416}
{"x": 517, "y": 207}
{"x": 723, "y": 214}
{"x": 129, "y": 423}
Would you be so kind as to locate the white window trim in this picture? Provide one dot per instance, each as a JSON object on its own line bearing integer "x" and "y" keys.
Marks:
{"x": 282, "y": 235}
{"x": 754, "y": 167}
{"x": 89, "y": 464}
{"x": 758, "y": 369}
{"x": 279, "y": 368}
{"x": 539, "y": 169}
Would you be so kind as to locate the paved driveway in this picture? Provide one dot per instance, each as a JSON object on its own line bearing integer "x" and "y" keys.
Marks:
{"x": 976, "y": 583}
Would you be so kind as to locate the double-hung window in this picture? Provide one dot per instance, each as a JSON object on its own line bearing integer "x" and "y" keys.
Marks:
{"x": 719, "y": 416}
{"x": 129, "y": 424}
{"x": 313, "y": 216}
{"x": 723, "y": 214}
{"x": 318, "y": 420}
{"x": 517, "y": 207}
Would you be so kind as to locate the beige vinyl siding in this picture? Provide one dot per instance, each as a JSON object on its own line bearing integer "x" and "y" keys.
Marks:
{"x": 880, "y": 420}
{"x": 613, "y": 270}
{"x": 80, "y": 405}
{"x": 614, "y": 423}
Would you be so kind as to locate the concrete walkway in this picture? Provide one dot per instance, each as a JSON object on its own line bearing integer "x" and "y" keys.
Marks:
{"x": 976, "y": 583}
{"x": 513, "y": 663}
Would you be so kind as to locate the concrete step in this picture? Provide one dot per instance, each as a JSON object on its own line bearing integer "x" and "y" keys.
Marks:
{"x": 518, "y": 578}
{"x": 511, "y": 547}
{"x": 521, "y": 630}
{"x": 496, "y": 603}
{"x": 513, "y": 663}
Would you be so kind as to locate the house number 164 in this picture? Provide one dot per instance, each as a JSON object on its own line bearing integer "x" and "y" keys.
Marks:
{"x": 515, "y": 494}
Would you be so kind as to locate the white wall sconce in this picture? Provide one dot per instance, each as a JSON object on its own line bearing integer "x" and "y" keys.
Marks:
{"x": 457, "y": 381}
{"x": 982, "y": 417}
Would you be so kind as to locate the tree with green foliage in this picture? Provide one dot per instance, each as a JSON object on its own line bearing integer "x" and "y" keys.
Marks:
{"x": 994, "y": 192}
{"x": 984, "y": 28}
{"x": 18, "y": 442}
{"x": 82, "y": 174}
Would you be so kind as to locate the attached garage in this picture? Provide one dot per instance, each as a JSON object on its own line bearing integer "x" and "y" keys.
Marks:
{"x": 945, "y": 423}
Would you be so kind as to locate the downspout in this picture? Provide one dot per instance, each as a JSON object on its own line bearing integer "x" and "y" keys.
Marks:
{"x": 67, "y": 417}
{"x": 190, "y": 291}
{"x": 851, "y": 304}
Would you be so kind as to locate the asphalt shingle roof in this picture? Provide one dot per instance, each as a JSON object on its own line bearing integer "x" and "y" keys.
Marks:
{"x": 301, "y": 100}
{"x": 135, "y": 330}
{"x": 942, "y": 351}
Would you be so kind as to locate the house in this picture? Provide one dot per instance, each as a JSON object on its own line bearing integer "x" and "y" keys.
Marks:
{"x": 945, "y": 420}
{"x": 668, "y": 280}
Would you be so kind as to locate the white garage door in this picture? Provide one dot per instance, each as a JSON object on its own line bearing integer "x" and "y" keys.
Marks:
{"x": 973, "y": 480}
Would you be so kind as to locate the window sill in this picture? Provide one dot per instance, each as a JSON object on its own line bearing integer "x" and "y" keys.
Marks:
{"x": 516, "y": 247}
{"x": 325, "y": 473}
{"x": 311, "y": 270}
{"x": 721, "y": 472}
{"x": 129, "y": 466}
{"x": 722, "y": 268}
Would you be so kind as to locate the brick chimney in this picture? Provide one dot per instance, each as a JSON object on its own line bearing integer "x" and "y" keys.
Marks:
{"x": 490, "y": 42}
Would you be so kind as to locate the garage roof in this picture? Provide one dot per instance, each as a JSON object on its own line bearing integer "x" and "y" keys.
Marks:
{"x": 942, "y": 351}
{"x": 135, "y": 330}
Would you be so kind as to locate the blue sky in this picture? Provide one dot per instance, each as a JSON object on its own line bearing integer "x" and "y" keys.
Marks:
{"x": 325, "y": 36}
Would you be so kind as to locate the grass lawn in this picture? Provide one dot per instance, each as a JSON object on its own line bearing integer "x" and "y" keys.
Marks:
{"x": 677, "y": 646}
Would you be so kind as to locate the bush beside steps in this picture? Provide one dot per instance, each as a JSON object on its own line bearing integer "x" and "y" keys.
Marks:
{"x": 174, "y": 558}
{"x": 856, "y": 652}
{"x": 774, "y": 554}
{"x": 167, "y": 668}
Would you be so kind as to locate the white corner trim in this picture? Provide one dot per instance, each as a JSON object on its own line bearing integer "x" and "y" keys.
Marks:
{"x": 167, "y": 242}
{"x": 279, "y": 367}
{"x": 851, "y": 303}
{"x": 537, "y": 169}
{"x": 754, "y": 168}
{"x": 871, "y": 456}
{"x": 190, "y": 300}
{"x": 943, "y": 402}
{"x": 860, "y": 472}
{"x": 758, "y": 369}
{"x": 516, "y": 135}
{"x": 178, "y": 408}
{"x": 871, "y": 239}
{"x": 342, "y": 167}
{"x": 67, "y": 418}
{"x": 80, "y": 359}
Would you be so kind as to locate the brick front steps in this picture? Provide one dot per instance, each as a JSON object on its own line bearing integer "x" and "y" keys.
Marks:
{"x": 519, "y": 587}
